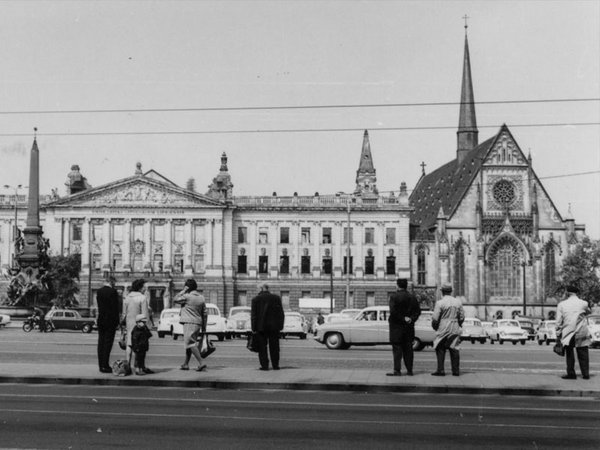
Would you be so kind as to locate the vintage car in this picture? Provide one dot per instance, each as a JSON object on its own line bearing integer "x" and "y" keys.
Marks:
{"x": 370, "y": 327}
{"x": 546, "y": 332}
{"x": 472, "y": 330}
{"x": 349, "y": 313}
{"x": 527, "y": 324}
{"x": 238, "y": 321}
{"x": 216, "y": 324}
{"x": 69, "y": 319}
{"x": 4, "y": 320}
{"x": 594, "y": 327}
{"x": 294, "y": 325}
{"x": 168, "y": 317}
{"x": 508, "y": 330}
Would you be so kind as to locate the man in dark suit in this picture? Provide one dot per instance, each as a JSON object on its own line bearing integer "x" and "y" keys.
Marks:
{"x": 404, "y": 312}
{"x": 108, "y": 319}
{"x": 267, "y": 318}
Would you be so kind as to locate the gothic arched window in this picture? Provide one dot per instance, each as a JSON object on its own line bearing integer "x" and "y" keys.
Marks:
{"x": 421, "y": 266}
{"x": 549, "y": 267}
{"x": 505, "y": 269}
{"x": 459, "y": 270}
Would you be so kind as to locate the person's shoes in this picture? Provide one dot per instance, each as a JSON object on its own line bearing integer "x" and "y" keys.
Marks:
{"x": 569, "y": 377}
{"x": 393, "y": 374}
{"x": 455, "y": 374}
{"x": 184, "y": 367}
{"x": 105, "y": 370}
{"x": 146, "y": 370}
{"x": 276, "y": 368}
{"x": 202, "y": 368}
{"x": 139, "y": 372}
{"x": 263, "y": 368}
{"x": 410, "y": 374}
{"x": 438, "y": 374}
{"x": 586, "y": 377}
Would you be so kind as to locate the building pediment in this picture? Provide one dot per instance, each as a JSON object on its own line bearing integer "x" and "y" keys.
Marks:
{"x": 505, "y": 151}
{"x": 137, "y": 192}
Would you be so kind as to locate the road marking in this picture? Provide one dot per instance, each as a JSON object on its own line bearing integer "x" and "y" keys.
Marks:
{"x": 296, "y": 403}
{"x": 297, "y": 420}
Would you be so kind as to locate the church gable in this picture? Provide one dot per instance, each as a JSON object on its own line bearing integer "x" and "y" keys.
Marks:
{"x": 505, "y": 151}
{"x": 137, "y": 192}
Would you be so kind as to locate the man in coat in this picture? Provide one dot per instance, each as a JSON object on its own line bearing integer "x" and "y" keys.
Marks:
{"x": 107, "y": 298}
{"x": 448, "y": 317}
{"x": 267, "y": 318}
{"x": 573, "y": 332}
{"x": 404, "y": 312}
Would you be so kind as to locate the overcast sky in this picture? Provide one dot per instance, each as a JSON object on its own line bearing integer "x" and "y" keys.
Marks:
{"x": 165, "y": 55}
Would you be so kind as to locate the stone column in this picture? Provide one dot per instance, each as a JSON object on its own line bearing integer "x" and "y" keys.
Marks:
{"x": 380, "y": 256}
{"x": 315, "y": 236}
{"x": 147, "y": 261}
{"x": 187, "y": 248}
{"x": 86, "y": 246}
{"x": 168, "y": 248}
{"x": 66, "y": 237}
{"x": 338, "y": 248}
{"x": 253, "y": 256}
{"x": 358, "y": 247}
{"x": 273, "y": 254}
{"x": 126, "y": 245}
{"x": 209, "y": 259}
{"x": 106, "y": 245}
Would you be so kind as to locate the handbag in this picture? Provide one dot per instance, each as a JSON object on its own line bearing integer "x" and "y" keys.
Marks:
{"x": 251, "y": 344}
{"x": 559, "y": 349}
{"x": 123, "y": 339}
{"x": 206, "y": 346}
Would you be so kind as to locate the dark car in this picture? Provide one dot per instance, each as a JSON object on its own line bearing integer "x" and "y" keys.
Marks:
{"x": 68, "y": 319}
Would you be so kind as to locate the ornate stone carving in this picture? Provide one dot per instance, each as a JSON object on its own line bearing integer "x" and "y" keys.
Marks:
{"x": 116, "y": 248}
{"x": 96, "y": 248}
{"x": 504, "y": 191}
{"x": 138, "y": 247}
{"x": 178, "y": 248}
{"x": 198, "y": 249}
{"x": 158, "y": 248}
{"x": 138, "y": 194}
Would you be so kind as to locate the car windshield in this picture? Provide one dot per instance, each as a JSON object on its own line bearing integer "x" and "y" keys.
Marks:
{"x": 234, "y": 312}
{"x": 212, "y": 311}
{"x": 510, "y": 323}
{"x": 525, "y": 323}
{"x": 293, "y": 319}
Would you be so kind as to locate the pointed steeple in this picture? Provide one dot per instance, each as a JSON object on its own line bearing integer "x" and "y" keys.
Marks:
{"x": 365, "y": 175}
{"x": 467, "y": 123}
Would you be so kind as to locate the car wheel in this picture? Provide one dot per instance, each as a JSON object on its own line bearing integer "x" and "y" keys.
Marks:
{"x": 491, "y": 340}
{"x": 49, "y": 327}
{"x": 87, "y": 328}
{"x": 174, "y": 336}
{"x": 500, "y": 341}
{"x": 514, "y": 342}
{"x": 417, "y": 345}
{"x": 221, "y": 337}
{"x": 547, "y": 341}
{"x": 334, "y": 341}
{"x": 540, "y": 342}
{"x": 472, "y": 341}
{"x": 523, "y": 341}
{"x": 303, "y": 336}
{"x": 161, "y": 334}
{"x": 482, "y": 341}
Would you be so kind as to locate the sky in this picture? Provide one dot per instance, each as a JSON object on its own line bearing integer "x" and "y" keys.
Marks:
{"x": 207, "y": 58}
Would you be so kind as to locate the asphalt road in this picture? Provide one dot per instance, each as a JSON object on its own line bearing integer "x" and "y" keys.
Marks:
{"x": 107, "y": 417}
{"x": 74, "y": 347}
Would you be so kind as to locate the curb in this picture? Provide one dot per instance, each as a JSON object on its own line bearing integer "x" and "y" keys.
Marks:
{"x": 336, "y": 387}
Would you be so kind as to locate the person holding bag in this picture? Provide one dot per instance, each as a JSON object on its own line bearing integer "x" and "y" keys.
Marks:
{"x": 573, "y": 333}
{"x": 193, "y": 318}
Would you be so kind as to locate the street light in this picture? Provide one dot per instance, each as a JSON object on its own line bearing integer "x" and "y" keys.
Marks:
{"x": 15, "y": 229}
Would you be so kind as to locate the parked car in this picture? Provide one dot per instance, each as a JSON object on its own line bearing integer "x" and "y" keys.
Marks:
{"x": 546, "y": 332}
{"x": 527, "y": 324}
{"x": 508, "y": 330}
{"x": 216, "y": 324}
{"x": 472, "y": 330}
{"x": 4, "y": 320}
{"x": 238, "y": 321}
{"x": 370, "y": 327}
{"x": 294, "y": 325}
{"x": 594, "y": 327}
{"x": 349, "y": 313}
{"x": 69, "y": 319}
{"x": 487, "y": 328}
{"x": 168, "y": 317}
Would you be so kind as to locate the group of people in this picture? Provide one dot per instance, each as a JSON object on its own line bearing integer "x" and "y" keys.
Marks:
{"x": 267, "y": 321}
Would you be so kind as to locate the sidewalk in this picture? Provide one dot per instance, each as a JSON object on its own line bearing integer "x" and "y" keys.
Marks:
{"x": 363, "y": 380}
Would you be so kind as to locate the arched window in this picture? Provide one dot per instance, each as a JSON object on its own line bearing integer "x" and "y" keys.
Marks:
{"x": 459, "y": 270}
{"x": 421, "y": 266}
{"x": 505, "y": 269}
{"x": 549, "y": 266}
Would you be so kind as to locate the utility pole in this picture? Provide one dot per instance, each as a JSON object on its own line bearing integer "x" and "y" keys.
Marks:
{"x": 348, "y": 305}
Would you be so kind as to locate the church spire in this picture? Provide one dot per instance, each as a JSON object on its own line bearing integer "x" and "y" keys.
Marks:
{"x": 365, "y": 175}
{"x": 467, "y": 122}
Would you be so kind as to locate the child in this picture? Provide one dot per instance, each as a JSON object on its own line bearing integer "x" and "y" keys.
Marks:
{"x": 139, "y": 344}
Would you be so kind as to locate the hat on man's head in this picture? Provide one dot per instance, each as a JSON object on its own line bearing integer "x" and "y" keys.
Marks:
{"x": 141, "y": 318}
{"x": 446, "y": 287}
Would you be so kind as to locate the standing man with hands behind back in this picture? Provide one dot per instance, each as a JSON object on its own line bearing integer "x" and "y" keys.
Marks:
{"x": 404, "y": 312}
{"x": 107, "y": 299}
{"x": 267, "y": 319}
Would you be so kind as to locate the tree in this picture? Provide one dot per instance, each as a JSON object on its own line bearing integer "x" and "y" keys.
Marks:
{"x": 582, "y": 269}
{"x": 62, "y": 279}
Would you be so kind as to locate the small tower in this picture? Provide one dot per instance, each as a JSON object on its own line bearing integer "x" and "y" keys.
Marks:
{"x": 221, "y": 187}
{"x": 467, "y": 132}
{"x": 75, "y": 181}
{"x": 366, "y": 180}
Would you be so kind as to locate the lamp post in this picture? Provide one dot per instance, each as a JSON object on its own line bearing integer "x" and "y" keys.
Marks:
{"x": 348, "y": 305}
{"x": 524, "y": 265}
{"x": 15, "y": 228}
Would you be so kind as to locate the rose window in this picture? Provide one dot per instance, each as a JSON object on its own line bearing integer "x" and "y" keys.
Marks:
{"x": 504, "y": 192}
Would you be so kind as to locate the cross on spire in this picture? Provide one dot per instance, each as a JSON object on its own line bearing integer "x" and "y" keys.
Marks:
{"x": 466, "y": 24}
{"x": 423, "y": 167}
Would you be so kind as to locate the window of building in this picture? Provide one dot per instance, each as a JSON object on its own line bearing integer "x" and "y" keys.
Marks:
{"x": 326, "y": 235}
{"x": 305, "y": 235}
{"x": 96, "y": 232}
{"x": 369, "y": 265}
{"x": 305, "y": 265}
{"x": 157, "y": 263}
{"x": 370, "y": 298}
{"x": 263, "y": 235}
{"x": 138, "y": 232}
{"x": 346, "y": 264}
{"x": 76, "y": 231}
{"x": 305, "y": 294}
{"x": 505, "y": 269}
{"x": 549, "y": 267}
{"x": 285, "y": 300}
{"x": 242, "y": 264}
{"x": 263, "y": 264}
{"x": 390, "y": 235}
{"x": 242, "y": 235}
{"x": 199, "y": 233}
{"x": 327, "y": 263}
{"x": 284, "y": 264}
{"x": 390, "y": 265}
{"x": 178, "y": 263}
{"x": 346, "y": 235}
{"x": 198, "y": 262}
{"x": 96, "y": 262}
{"x": 178, "y": 233}
{"x": 369, "y": 235}
{"x": 242, "y": 298}
{"x": 118, "y": 232}
{"x": 284, "y": 235}
{"x": 159, "y": 232}
{"x": 422, "y": 266}
{"x": 138, "y": 263}
{"x": 117, "y": 263}
{"x": 459, "y": 271}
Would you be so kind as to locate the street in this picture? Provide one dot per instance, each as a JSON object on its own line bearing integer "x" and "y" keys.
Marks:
{"x": 138, "y": 417}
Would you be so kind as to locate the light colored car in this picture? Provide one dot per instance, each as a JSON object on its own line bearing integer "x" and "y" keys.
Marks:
{"x": 487, "y": 327}
{"x": 370, "y": 327}
{"x": 216, "y": 324}
{"x": 594, "y": 327}
{"x": 294, "y": 325}
{"x": 546, "y": 332}
{"x": 508, "y": 330}
{"x": 238, "y": 321}
{"x": 168, "y": 317}
{"x": 4, "y": 320}
{"x": 349, "y": 313}
{"x": 472, "y": 330}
